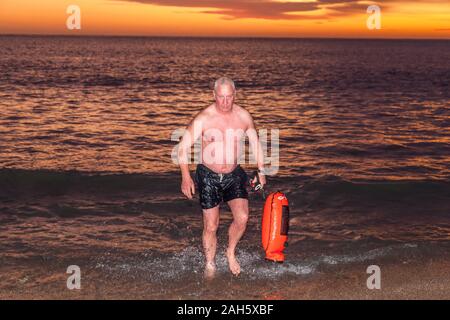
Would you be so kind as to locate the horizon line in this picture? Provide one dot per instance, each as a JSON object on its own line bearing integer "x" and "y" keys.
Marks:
{"x": 213, "y": 37}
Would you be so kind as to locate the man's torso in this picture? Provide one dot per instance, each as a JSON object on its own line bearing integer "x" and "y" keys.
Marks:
{"x": 223, "y": 137}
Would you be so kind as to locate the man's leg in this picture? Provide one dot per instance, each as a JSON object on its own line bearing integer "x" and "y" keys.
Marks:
{"x": 239, "y": 208}
{"x": 210, "y": 225}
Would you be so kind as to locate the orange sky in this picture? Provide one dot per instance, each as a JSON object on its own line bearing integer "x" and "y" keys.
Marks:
{"x": 271, "y": 18}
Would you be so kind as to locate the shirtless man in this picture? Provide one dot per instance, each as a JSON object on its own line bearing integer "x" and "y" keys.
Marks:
{"x": 221, "y": 126}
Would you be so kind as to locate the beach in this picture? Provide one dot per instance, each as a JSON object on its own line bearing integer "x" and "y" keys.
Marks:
{"x": 423, "y": 279}
{"x": 89, "y": 126}
{"x": 127, "y": 249}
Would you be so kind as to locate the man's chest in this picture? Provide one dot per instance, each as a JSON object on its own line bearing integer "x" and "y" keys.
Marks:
{"x": 225, "y": 131}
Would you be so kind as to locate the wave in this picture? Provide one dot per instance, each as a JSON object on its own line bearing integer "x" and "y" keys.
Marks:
{"x": 21, "y": 182}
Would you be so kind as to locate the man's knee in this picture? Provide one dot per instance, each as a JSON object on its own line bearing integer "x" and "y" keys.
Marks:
{"x": 241, "y": 218}
{"x": 210, "y": 227}
{"x": 210, "y": 222}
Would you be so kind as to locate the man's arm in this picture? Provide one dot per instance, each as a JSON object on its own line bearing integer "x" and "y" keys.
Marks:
{"x": 255, "y": 146}
{"x": 192, "y": 133}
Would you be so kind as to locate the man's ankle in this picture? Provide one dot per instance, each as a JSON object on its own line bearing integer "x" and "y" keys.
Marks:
{"x": 230, "y": 251}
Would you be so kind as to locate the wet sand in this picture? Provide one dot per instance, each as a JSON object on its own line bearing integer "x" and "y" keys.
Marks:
{"x": 424, "y": 279}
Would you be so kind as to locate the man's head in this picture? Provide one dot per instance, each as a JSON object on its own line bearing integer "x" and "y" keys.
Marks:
{"x": 224, "y": 93}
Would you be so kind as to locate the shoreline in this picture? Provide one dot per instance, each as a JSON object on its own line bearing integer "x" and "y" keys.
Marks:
{"x": 399, "y": 280}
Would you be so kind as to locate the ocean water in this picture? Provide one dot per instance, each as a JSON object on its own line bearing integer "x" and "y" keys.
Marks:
{"x": 85, "y": 150}
{"x": 351, "y": 108}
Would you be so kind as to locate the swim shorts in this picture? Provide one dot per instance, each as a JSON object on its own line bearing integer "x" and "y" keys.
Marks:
{"x": 216, "y": 187}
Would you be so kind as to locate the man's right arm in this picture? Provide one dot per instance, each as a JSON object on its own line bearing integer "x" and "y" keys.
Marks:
{"x": 192, "y": 133}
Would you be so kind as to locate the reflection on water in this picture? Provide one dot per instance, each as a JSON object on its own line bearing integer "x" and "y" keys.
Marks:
{"x": 357, "y": 109}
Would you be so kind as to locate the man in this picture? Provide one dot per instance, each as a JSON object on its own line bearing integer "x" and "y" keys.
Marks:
{"x": 222, "y": 127}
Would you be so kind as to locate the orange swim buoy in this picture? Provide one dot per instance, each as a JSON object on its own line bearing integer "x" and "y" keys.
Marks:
{"x": 275, "y": 226}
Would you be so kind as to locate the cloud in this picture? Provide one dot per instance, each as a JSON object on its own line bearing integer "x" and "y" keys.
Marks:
{"x": 278, "y": 9}
{"x": 265, "y": 9}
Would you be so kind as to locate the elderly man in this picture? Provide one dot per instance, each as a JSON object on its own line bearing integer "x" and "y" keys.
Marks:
{"x": 222, "y": 127}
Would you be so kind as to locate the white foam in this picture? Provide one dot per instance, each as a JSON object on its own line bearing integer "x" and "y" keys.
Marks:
{"x": 190, "y": 262}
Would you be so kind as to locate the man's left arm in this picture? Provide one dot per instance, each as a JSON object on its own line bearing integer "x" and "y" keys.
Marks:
{"x": 255, "y": 146}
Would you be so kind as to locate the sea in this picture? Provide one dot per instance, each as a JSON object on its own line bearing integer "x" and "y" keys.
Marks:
{"x": 88, "y": 127}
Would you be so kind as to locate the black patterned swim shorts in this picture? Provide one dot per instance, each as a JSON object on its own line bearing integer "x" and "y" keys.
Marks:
{"x": 217, "y": 187}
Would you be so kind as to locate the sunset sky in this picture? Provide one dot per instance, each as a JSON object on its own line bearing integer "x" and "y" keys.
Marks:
{"x": 269, "y": 18}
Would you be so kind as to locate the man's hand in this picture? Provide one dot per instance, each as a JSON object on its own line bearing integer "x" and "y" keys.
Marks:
{"x": 262, "y": 179}
{"x": 188, "y": 186}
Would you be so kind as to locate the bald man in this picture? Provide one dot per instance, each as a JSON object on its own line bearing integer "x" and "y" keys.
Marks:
{"x": 222, "y": 127}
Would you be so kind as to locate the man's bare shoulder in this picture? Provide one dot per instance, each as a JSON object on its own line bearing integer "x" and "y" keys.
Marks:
{"x": 243, "y": 113}
{"x": 204, "y": 114}
{"x": 209, "y": 110}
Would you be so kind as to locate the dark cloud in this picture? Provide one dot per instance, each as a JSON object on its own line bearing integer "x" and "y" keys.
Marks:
{"x": 269, "y": 9}
{"x": 233, "y": 9}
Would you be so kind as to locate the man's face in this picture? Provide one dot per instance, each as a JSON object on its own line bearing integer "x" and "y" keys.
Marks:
{"x": 224, "y": 96}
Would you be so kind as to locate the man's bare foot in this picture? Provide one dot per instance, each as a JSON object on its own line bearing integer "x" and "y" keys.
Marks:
{"x": 210, "y": 270}
{"x": 235, "y": 268}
